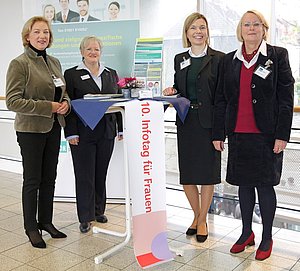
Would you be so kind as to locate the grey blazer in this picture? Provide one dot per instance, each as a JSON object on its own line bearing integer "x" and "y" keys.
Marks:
{"x": 30, "y": 90}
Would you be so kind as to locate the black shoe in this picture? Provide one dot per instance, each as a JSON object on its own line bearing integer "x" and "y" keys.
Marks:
{"x": 55, "y": 233}
{"x": 36, "y": 239}
{"x": 85, "y": 227}
{"x": 191, "y": 231}
{"x": 202, "y": 238}
{"x": 101, "y": 218}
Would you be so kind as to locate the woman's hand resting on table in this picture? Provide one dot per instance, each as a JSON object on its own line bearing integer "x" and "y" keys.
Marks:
{"x": 169, "y": 91}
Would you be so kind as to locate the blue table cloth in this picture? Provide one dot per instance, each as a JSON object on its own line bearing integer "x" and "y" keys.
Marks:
{"x": 91, "y": 111}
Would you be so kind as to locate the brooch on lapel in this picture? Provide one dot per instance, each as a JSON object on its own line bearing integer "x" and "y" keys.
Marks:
{"x": 268, "y": 63}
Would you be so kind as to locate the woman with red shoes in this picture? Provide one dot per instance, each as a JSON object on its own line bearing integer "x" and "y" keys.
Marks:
{"x": 254, "y": 108}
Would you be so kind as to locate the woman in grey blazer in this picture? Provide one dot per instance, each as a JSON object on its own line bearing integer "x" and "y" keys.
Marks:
{"x": 35, "y": 90}
{"x": 254, "y": 108}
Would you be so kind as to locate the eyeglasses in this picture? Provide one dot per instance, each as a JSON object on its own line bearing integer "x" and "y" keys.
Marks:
{"x": 254, "y": 24}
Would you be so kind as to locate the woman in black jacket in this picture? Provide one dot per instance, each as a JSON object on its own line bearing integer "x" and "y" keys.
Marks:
{"x": 91, "y": 149}
{"x": 254, "y": 108}
{"x": 196, "y": 78}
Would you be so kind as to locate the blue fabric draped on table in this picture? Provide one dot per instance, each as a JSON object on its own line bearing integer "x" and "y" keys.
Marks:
{"x": 91, "y": 111}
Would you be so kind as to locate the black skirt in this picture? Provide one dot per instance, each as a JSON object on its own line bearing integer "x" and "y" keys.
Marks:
{"x": 251, "y": 160}
{"x": 199, "y": 162}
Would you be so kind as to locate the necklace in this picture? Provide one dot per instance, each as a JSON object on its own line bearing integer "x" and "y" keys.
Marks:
{"x": 248, "y": 57}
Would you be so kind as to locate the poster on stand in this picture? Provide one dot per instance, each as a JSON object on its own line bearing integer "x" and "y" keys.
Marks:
{"x": 147, "y": 178}
{"x": 148, "y": 63}
{"x": 118, "y": 36}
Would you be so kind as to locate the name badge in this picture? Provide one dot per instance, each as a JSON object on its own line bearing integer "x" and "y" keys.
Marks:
{"x": 262, "y": 72}
{"x": 84, "y": 77}
{"x": 58, "y": 82}
{"x": 185, "y": 63}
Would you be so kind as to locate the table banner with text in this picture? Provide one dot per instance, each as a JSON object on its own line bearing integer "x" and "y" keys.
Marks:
{"x": 145, "y": 133}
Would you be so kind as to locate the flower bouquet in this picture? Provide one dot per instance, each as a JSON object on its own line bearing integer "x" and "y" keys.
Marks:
{"x": 128, "y": 84}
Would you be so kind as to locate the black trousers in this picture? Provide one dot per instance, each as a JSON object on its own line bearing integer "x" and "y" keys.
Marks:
{"x": 91, "y": 160}
{"x": 39, "y": 157}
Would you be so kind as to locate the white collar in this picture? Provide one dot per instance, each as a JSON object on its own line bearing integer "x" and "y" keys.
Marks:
{"x": 204, "y": 53}
{"x": 262, "y": 49}
{"x": 85, "y": 18}
{"x": 82, "y": 66}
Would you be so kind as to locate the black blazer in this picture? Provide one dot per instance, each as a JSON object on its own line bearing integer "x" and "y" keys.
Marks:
{"x": 208, "y": 78}
{"x": 71, "y": 14}
{"x": 272, "y": 98}
{"x": 77, "y": 88}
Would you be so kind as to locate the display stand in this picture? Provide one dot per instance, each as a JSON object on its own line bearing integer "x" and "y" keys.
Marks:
{"x": 90, "y": 112}
{"x": 99, "y": 259}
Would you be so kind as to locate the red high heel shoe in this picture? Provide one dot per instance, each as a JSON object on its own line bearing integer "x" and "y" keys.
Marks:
{"x": 237, "y": 248}
{"x": 262, "y": 255}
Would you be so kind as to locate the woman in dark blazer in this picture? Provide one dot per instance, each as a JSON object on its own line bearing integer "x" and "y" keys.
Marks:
{"x": 91, "y": 149}
{"x": 254, "y": 108}
{"x": 196, "y": 78}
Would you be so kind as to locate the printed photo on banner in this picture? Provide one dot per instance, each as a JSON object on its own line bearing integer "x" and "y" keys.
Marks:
{"x": 66, "y": 11}
{"x": 154, "y": 86}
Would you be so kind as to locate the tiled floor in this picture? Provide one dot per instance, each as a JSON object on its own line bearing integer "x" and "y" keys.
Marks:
{"x": 77, "y": 251}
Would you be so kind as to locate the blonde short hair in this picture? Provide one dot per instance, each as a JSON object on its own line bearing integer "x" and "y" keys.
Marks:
{"x": 28, "y": 27}
{"x": 262, "y": 20}
{"x": 187, "y": 23}
{"x": 87, "y": 40}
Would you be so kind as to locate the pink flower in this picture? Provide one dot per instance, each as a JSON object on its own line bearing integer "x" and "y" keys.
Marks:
{"x": 122, "y": 83}
{"x": 127, "y": 82}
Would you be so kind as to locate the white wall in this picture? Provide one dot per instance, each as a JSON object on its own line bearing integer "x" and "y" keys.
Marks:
{"x": 11, "y": 22}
